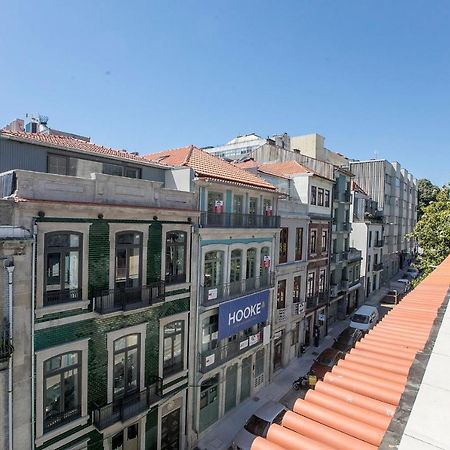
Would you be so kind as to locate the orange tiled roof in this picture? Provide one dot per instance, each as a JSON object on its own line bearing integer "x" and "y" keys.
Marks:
{"x": 284, "y": 169}
{"x": 353, "y": 406}
{"x": 208, "y": 166}
{"x": 69, "y": 143}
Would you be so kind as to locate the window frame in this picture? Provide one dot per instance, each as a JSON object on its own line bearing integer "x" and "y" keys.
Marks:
{"x": 281, "y": 294}
{"x": 327, "y": 198}
{"x": 320, "y": 196}
{"x": 299, "y": 243}
{"x": 129, "y": 247}
{"x": 297, "y": 289}
{"x": 324, "y": 243}
{"x": 179, "y": 278}
{"x": 313, "y": 242}
{"x": 313, "y": 199}
{"x": 173, "y": 367}
{"x": 284, "y": 240}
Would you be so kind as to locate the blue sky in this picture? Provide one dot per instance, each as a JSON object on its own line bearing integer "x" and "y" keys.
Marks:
{"x": 373, "y": 77}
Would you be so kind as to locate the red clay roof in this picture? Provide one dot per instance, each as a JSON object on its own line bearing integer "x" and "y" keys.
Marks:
{"x": 208, "y": 166}
{"x": 284, "y": 169}
{"x": 353, "y": 406}
{"x": 69, "y": 143}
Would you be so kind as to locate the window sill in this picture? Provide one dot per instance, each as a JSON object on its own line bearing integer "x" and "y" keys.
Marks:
{"x": 62, "y": 307}
{"x": 174, "y": 376}
{"x": 60, "y": 430}
{"x": 175, "y": 286}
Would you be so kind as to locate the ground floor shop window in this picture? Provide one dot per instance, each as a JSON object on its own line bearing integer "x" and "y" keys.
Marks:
{"x": 209, "y": 402}
{"x": 170, "y": 430}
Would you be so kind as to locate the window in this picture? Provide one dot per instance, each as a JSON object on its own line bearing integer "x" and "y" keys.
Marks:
{"x": 320, "y": 196}
{"x": 281, "y": 294}
{"x": 126, "y": 370}
{"x": 238, "y": 203}
{"x": 62, "y": 165}
{"x": 215, "y": 202}
{"x": 176, "y": 256}
{"x": 264, "y": 271}
{"x": 128, "y": 260}
{"x": 170, "y": 430}
{"x": 327, "y": 198}
{"x": 235, "y": 266}
{"x": 62, "y": 267}
{"x": 213, "y": 268}
{"x": 296, "y": 290}
{"x": 324, "y": 246}
{"x": 62, "y": 389}
{"x": 370, "y": 239}
{"x": 310, "y": 284}
{"x": 253, "y": 205}
{"x": 368, "y": 263}
{"x": 313, "y": 195}
{"x": 112, "y": 169}
{"x": 298, "y": 243}
{"x": 322, "y": 280}
{"x": 251, "y": 263}
{"x": 284, "y": 245}
{"x": 210, "y": 327}
{"x": 313, "y": 241}
{"x": 173, "y": 348}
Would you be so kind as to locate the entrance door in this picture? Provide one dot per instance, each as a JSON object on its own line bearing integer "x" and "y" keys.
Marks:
{"x": 277, "y": 354}
{"x": 230, "y": 387}
{"x": 209, "y": 402}
{"x": 246, "y": 378}
{"x": 127, "y": 439}
{"x": 308, "y": 332}
{"x": 170, "y": 430}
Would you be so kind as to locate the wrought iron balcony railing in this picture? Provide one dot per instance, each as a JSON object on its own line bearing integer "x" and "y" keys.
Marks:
{"x": 126, "y": 299}
{"x": 63, "y": 296}
{"x": 211, "y": 359}
{"x": 235, "y": 220}
{"x": 127, "y": 407}
{"x": 377, "y": 267}
{"x": 212, "y": 295}
{"x": 56, "y": 420}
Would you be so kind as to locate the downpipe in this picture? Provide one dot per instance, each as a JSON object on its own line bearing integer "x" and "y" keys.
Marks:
{"x": 33, "y": 303}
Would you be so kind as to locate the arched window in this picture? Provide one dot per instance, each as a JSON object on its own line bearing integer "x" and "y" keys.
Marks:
{"x": 63, "y": 261}
{"x": 176, "y": 256}
{"x": 128, "y": 259}
{"x": 173, "y": 347}
{"x": 126, "y": 365}
{"x": 213, "y": 274}
{"x": 62, "y": 389}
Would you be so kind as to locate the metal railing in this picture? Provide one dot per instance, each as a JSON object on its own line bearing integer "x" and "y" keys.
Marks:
{"x": 345, "y": 284}
{"x": 6, "y": 347}
{"x": 57, "y": 420}
{"x": 236, "y": 220}
{"x": 212, "y": 295}
{"x": 63, "y": 296}
{"x": 211, "y": 359}
{"x": 311, "y": 301}
{"x": 354, "y": 254}
{"x": 323, "y": 297}
{"x": 378, "y": 267}
{"x": 379, "y": 243}
{"x": 126, "y": 299}
{"x": 128, "y": 406}
{"x": 281, "y": 315}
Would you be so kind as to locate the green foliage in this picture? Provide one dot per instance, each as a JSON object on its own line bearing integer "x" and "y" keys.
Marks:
{"x": 432, "y": 232}
{"x": 427, "y": 193}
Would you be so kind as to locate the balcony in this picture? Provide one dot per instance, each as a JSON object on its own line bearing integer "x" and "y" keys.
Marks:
{"x": 235, "y": 220}
{"x": 213, "y": 295}
{"x": 345, "y": 284}
{"x": 6, "y": 347}
{"x": 377, "y": 267}
{"x": 298, "y": 308}
{"x": 354, "y": 255}
{"x": 211, "y": 359}
{"x": 379, "y": 243}
{"x": 56, "y": 420}
{"x": 127, "y": 299}
{"x": 311, "y": 302}
{"x": 127, "y": 407}
{"x": 281, "y": 315}
{"x": 52, "y": 298}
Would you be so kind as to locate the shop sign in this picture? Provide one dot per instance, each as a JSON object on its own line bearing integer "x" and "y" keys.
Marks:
{"x": 242, "y": 313}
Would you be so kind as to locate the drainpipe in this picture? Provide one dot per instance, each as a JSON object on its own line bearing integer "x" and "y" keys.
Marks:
{"x": 9, "y": 266}
{"x": 33, "y": 302}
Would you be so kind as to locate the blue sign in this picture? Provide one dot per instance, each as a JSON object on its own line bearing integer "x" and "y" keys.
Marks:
{"x": 242, "y": 313}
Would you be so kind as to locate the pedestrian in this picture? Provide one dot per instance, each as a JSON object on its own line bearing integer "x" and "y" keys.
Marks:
{"x": 316, "y": 335}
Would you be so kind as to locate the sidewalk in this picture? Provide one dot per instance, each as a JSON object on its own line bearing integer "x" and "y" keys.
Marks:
{"x": 280, "y": 389}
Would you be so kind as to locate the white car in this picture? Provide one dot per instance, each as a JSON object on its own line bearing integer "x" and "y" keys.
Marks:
{"x": 259, "y": 424}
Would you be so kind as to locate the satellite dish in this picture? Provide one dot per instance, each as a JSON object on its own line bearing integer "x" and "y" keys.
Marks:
{"x": 43, "y": 119}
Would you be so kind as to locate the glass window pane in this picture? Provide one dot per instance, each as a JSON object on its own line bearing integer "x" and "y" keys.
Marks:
{"x": 119, "y": 373}
{"x": 133, "y": 269}
{"x": 121, "y": 265}
{"x": 52, "y": 396}
{"x": 132, "y": 369}
{"x": 119, "y": 344}
{"x": 52, "y": 364}
{"x": 53, "y": 269}
{"x": 74, "y": 240}
{"x": 132, "y": 340}
{"x": 71, "y": 390}
{"x": 71, "y": 270}
{"x": 69, "y": 359}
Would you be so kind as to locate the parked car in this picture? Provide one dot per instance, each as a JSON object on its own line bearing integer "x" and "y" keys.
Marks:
{"x": 258, "y": 424}
{"x": 412, "y": 272}
{"x": 347, "y": 339}
{"x": 406, "y": 282}
{"x": 325, "y": 361}
{"x": 365, "y": 318}
{"x": 392, "y": 297}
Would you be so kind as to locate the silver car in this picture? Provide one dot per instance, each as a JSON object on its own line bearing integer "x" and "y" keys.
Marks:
{"x": 259, "y": 424}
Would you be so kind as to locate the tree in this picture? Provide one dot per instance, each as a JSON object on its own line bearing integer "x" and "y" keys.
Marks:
{"x": 427, "y": 193}
{"x": 432, "y": 232}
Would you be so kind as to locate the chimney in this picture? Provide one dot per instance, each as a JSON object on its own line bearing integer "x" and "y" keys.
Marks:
{"x": 15, "y": 125}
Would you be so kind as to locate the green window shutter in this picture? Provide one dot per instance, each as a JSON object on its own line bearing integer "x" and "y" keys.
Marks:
{"x": 154, "y": 252}
{"x": 98, "y": 257}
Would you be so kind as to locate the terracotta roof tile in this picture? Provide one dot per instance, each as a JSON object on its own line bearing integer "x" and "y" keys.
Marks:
{"x": 354, "y": 404}
{"x": 69, "y": 143}
{"x": 208, "y": 166}
{"x": 284, "y": 169}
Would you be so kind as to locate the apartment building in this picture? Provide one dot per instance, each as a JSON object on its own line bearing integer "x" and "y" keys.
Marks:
{"x": 395, "y": 191}
{"x": 101, "y": 299}
{"x": 367, "y": 235}
{"x": 237, "y": 240}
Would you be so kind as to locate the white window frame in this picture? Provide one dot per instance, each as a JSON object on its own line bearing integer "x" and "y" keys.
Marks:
{"x": 41, "y": 357}
{"x": 140, "y": 329}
